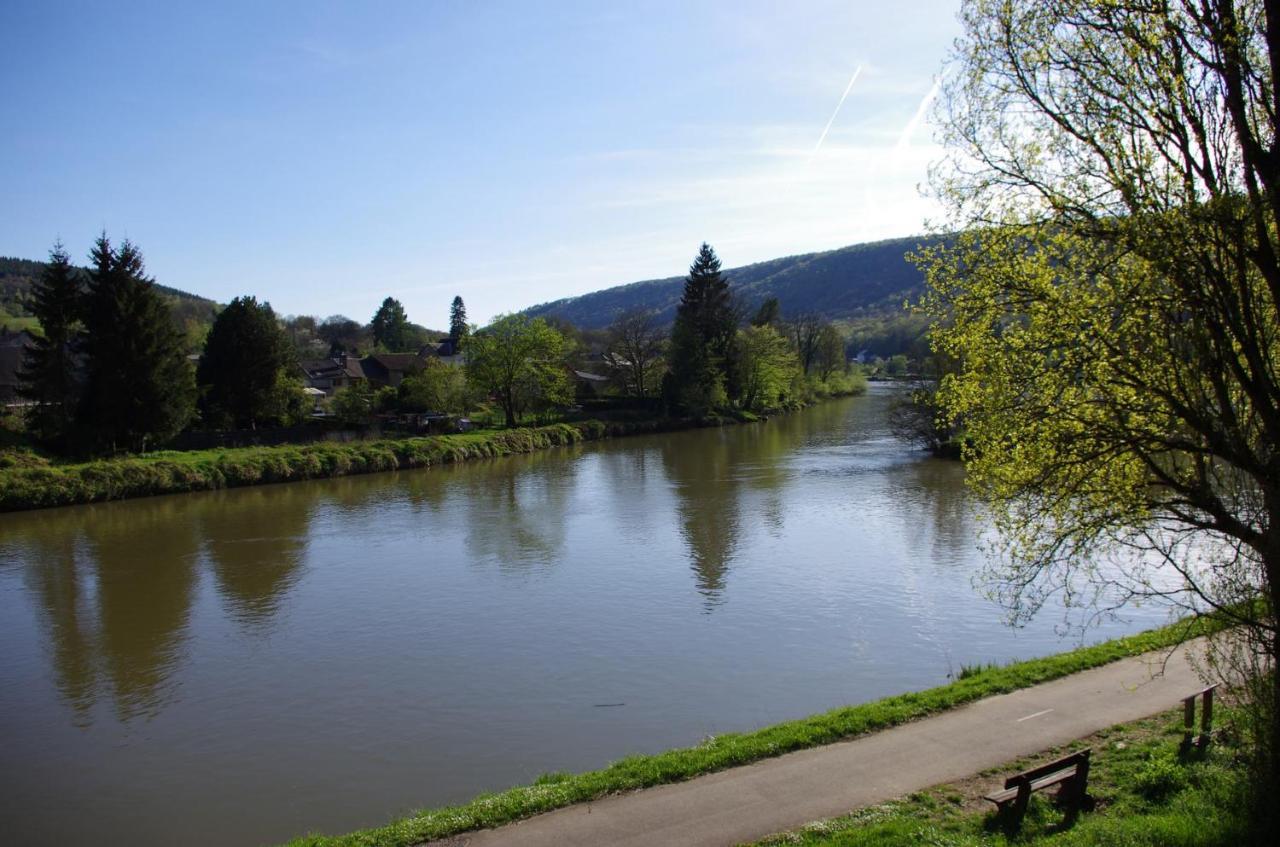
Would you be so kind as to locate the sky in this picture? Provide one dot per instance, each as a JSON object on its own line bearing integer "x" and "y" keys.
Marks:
{"x": 323, "y": 156}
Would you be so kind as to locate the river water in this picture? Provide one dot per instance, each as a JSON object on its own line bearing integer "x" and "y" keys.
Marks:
{"x": 236, "y": 668}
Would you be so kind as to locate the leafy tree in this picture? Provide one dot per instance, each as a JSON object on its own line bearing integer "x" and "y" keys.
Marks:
{"x": 768, "y": 367}
{"x": 805, "y": 331}
{"x": 342, "y": 334}
{"x": 390, "y": 326}
{"x": 702, "y": 335}
{"x": 635, "y": 341}
{"x": 48, "y": 377}
{"x": 246, "y": 357}
{"x": 769, "y": 313}
{"x": 458, "y": 320}
{"x": 519, "y": 361}
{"x": 1115, "y": 307}
{"x": 354, "y": 405}
{"x": 830, "y": 358}
{"x": 436, "y": 388}
{"x": 139, "y": 387}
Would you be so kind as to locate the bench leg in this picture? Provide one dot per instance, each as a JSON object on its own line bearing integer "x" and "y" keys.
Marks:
{"x": 1020, "y": 802}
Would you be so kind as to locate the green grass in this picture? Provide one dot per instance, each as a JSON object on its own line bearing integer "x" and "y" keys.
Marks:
{"x": 730, "y": 750}
{"x": 1147, "y": 793}
{"x": 29, "y": 480}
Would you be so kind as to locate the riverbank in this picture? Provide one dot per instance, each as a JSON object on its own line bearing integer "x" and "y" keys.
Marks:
{"x": 718, "y": 753}
{"x": 30, "y": 482}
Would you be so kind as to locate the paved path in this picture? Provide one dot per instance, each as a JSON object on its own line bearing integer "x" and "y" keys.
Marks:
{"x": 750, "y": 802}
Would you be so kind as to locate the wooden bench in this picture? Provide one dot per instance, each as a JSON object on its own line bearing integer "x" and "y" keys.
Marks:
{"x": 1071, "y": 772}
{"x": 1206, "y": 717}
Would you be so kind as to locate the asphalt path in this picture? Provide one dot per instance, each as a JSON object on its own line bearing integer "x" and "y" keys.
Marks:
{"x": 752, "y": 801}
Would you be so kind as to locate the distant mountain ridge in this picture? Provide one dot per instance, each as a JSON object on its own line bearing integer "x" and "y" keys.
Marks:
{"x": 843, "y": 284}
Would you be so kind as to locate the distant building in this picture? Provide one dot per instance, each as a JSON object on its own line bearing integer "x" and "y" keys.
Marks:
{"x": 446, "y": 350}
{"x": 390, "y": 368}
{"x": 328, "y": 375}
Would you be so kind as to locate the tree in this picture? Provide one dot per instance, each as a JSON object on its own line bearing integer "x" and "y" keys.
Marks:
{"x": 702, "y": 335}
{"x": 635, "y": 342}
{"x": 805, "y": 331}
{"x": 458, "y": 320}
{"x": 341, "y": 333}
{"x": 243, "y": 372}
{"x": 767, "y": 365}
{"x": 390, "y": 325}
{"x": 519, "y": 361}
{"x": 139, "y": 387}
{"x": 1113, "y": 304}
{"x": 769, "y": 313}
{"x": 354, "y": 404}
{"x": 830, "y": 355}
{"x": 48, "y": 377}
{"x": 436, "y": 388}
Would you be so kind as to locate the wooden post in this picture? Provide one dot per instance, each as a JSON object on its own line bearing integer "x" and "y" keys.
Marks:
{"x": 1206, "y": 715}
{"x": 1188, "y": 719}
{"x": 1024, "y": 797}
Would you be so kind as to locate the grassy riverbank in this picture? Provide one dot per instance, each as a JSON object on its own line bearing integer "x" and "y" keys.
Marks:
{"x": 725, "y": 751}
{"x": 28, "y": 481}
{"x": 1147, "y": 792}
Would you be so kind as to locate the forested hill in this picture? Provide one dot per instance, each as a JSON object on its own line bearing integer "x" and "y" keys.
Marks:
{"x": 846, "y": 284}
{"x": 18, "y": 275}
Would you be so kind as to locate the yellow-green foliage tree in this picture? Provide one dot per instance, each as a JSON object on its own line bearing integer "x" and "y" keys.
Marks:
{"x": 519, "y": 362}
{"x": 767, "y": 367}
{"x": 1113, "y": 301}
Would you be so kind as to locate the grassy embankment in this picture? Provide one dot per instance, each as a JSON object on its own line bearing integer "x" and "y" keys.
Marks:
{"x": 29, "y": 481}
{"x": 724, "y": 751}
{"x": 1147, "y": 792}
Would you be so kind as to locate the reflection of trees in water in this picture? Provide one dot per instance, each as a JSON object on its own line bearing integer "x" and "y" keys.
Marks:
{"x": 628, "y": 472}
{"x": 115, "y": 586}
{"x": 52, "y": 575}
{"x": 255, "y": 540}
{"x": 515, "y": 508}
{"x": 115, "y": 583}
{"x": 935, "y": 510}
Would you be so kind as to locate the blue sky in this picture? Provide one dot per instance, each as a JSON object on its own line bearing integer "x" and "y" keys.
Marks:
{"x": 323, "y": 156}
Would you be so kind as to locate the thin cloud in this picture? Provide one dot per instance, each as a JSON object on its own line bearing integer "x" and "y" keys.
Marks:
{"x": 910, "y": 129}
{"x": 827, "y": 128}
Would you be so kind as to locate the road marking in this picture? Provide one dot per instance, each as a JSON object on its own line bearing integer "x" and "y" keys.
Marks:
{"x": 1036, "y": 715}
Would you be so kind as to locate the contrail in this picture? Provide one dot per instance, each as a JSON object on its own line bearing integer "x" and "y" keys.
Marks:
{"x": 827, "y": 128}
{"x": 910, "y": 129}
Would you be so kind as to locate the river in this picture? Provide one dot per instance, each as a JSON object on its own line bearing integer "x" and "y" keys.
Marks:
{"x": 240, "y": 667}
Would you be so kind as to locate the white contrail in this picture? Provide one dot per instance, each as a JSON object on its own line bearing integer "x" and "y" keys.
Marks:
{"x": 827, "y": 128}
{"x": 910, "y": 129}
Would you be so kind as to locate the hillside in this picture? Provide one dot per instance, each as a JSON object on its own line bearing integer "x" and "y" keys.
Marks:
{"x": 849, "y": 284}
{"x": 192, "y": 313}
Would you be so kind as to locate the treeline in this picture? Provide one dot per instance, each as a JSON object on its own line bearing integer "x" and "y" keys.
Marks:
{"x": 110, "y": 372}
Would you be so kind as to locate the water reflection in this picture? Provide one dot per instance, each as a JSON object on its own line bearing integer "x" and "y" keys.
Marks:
{"x": 256, "y": 541}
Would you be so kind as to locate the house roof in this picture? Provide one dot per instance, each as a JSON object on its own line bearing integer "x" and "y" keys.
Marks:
{"x": 395, "y": 361}
{"x": 590, "y": 377}
{"x": 330, "y": 368}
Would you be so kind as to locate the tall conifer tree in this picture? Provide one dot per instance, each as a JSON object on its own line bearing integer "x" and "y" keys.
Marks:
{"x": 139, "y": 388}
{"x": 457, "y": 320}
{"x": 702, "y": 335}
{"x": 48, "y": 376}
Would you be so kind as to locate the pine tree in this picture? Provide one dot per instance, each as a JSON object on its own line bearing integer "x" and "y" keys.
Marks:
{"x": 139, "y": 387}
{"x": 457, "y": 320}
{"x": 48, "y": 377}
{"x": 702, "y": 335}
{"x": 243, "y": 372}
{"x": 390, "y": 325}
